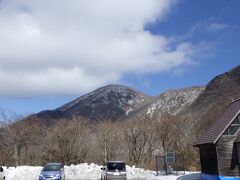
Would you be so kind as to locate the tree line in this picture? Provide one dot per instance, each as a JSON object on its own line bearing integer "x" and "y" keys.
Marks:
{"x": 77, "y": 140}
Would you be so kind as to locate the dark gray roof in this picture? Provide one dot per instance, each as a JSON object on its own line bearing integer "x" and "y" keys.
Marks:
{"x": 115, "y": 162}
{"x": 216, "y": 130}
{"x": 51, "y": 164}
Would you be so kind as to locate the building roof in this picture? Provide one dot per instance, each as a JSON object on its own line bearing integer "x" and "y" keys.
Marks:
{"x": 52, "y": 164}
{"x": 115, "y": 162}
{"x": 216, "y": 130}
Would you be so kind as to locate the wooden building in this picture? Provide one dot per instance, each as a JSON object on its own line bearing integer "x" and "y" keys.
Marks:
{"x": 219, "y": 146}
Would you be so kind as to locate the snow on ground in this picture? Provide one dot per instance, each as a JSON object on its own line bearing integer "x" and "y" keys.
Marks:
{"x": 90, "y": 172}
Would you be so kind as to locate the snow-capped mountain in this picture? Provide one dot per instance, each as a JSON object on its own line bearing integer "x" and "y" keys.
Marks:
{"x": 117, "y": 102}
{"x": 110, "y": 102}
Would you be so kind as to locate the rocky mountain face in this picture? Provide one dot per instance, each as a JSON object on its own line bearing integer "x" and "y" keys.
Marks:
{"x": 174, "y": 101}
{"x": 171, "y": 102}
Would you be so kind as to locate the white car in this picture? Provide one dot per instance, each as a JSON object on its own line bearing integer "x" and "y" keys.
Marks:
{"x": 114, "y": 170}
{"x": 2, "y": 176}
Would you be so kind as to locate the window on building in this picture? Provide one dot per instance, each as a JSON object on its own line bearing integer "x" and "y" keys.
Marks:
{"x": 236, "y": 120}
{"x": 234, "y": 127}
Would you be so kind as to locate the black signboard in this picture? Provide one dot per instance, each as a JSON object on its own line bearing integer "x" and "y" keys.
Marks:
{"x": 170, "y": 157}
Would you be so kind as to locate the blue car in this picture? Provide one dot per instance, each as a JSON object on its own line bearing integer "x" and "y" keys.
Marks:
{"x": 52, "y": 171}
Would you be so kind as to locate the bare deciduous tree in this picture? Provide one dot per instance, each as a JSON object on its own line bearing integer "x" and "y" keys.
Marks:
{"x": 140, "y": 139}
{"x": 67, "y": 142}
{"x": 108, "y": 138}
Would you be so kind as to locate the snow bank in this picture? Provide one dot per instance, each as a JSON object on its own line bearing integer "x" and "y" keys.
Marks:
{"x": 89, "y": 172}
{"x": 22, "y": 173}
{"x": 82, "y": 171}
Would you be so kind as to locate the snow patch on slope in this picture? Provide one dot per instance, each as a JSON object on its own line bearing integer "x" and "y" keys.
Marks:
{"x": 174, "y": 101}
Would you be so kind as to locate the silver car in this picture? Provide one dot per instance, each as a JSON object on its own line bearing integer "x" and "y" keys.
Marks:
{"x": 52, "y": 171}
{"x": 114, "y": 170}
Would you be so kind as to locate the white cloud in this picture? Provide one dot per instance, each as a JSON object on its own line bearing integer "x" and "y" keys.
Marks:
{"x": 72, "y": 46}
{"x": 214, "y": 27}
{"x": 210, "y": 26}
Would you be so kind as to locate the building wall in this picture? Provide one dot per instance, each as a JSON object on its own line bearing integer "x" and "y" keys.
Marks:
{"x": 208, "y": 158}
{"x": 227, "y": 156}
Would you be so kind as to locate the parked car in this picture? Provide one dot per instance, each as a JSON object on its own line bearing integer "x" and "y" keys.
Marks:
{"x": 115, "y": 170}
{"x": 2, "y": 176}
{"x": 52, "y": 171}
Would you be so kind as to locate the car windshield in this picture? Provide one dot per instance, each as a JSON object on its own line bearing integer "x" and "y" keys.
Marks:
{"x": 116, "y": 166}
{"x": 52, "y": 168}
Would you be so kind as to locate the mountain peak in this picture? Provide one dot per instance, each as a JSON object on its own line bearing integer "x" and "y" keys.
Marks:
{"x": 108, "y": 102}
{"x": 235, "y": 70}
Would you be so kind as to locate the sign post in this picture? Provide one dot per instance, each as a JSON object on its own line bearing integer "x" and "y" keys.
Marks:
{"x": 170, "y": 161}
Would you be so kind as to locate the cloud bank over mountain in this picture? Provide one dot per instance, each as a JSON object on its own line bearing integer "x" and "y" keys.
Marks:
{"x": 68, "y": 47}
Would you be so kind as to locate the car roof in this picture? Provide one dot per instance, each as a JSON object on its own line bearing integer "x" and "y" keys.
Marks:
{"x": 115, "y": 162}
{"x": 54, "y": 164}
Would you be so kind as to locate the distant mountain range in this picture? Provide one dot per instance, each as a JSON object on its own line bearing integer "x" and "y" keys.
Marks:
{"x": 199, "y": 104}
{"x": 116, "y": 102}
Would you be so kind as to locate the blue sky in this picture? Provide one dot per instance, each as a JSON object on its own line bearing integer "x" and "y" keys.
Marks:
{"x": 54, "y": 58}
{"x": 223, "y": 56}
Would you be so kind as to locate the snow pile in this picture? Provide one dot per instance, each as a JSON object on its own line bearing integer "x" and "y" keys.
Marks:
{"x": 22, "y": 173}
{"x": 82, "y": 171}
{"x": 89, "y": 172}
{"x": 137, "y": 173}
